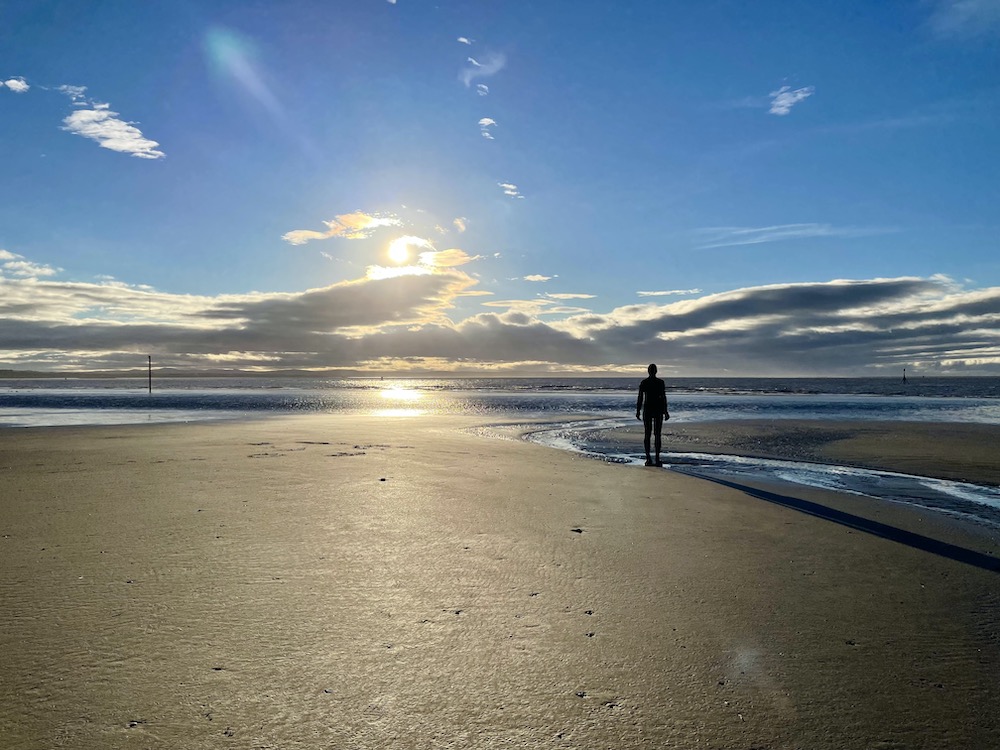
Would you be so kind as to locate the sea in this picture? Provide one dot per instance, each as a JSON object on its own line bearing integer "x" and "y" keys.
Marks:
{"x": 562, "y": 413}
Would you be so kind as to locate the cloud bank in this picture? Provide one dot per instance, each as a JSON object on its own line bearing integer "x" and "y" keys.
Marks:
{"x": 842, "y": 327}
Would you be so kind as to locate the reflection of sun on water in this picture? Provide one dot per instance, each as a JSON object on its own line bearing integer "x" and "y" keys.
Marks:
{"x": 400, "y": 396}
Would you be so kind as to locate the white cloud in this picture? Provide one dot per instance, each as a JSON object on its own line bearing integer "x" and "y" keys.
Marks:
{"x": 539, "y": 277}
{"x": 465, "y": 40}
{"x": 670, "y": 293}
{"x": 460, "y": 223}
{"x": 785, "y": 98}
{"x": 566, "y": 295}
{"x": 100, "y": 124}
{"x": 27, "y": 269}
{"x": 482, "y": 89}
{"x": 509, "y": 188}
{"x": 15, "y": 265}
{"x": 17, "y": 84}
{"x": 76, "y": 93}
{"x": 353, "y": 226}
{"x": 965, "y": 18}
{"x": 732, "y": 236}
{"x": 484, "y": 127}
{"x": 490, "y": 64}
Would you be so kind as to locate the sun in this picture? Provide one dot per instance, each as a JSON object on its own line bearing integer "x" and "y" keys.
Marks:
{"x": 399, "y": 248}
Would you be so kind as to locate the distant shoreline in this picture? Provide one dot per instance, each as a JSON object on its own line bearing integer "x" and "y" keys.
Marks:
{"x": 142, "y": 373}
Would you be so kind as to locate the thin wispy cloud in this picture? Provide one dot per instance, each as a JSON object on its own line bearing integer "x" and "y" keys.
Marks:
{"x": 538, "y": 277}
{"x": 12, "y": 264}
{"x": 965, "y": 18}
{"x": 484, "y": 127}
{"x": 904, "y": 122}
{"x": 509, "y": 188}
{"x": 732, "y": 236}
{"x": 569, "y": 295}
{"x": 785, "y": 98}
{"x": 669, "y": 293}
{"x": 461, "y": 223}
{"x": 76, "y": 93}
{"x": 98, "y": 122}
{"x": 489, "y": 64}
{"x": 18, "y": 85}
{"x": 482, "y": 89}
{"x": 523, "y": 307}
{"x": 353, "y": 226}
{"x": 447, "y": 258}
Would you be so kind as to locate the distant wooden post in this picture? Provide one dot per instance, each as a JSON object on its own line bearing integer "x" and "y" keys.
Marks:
{"x": 150, "y": 358}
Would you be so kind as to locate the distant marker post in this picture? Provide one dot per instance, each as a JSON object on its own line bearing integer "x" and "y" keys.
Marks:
{"x": 149, "y": 357}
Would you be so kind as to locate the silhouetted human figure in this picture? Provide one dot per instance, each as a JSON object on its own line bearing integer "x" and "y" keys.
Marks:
{"x": 651, "y": 408}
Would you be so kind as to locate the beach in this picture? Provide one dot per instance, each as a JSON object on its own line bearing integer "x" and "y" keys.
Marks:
{"x": 362, "y": 582}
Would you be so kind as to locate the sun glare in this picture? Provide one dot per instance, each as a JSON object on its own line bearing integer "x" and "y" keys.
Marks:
{"x": 401, "y": 394}
{"x": 400, "y": 248}
{"x": 402, "y": 400}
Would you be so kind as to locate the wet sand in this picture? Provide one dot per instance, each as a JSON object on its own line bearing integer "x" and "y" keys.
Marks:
{"x": 964, "y": 452}
{"x": 364, "y": 582}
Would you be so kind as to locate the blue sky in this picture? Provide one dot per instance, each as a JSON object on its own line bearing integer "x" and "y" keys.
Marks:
{"x": 568, "y": 187}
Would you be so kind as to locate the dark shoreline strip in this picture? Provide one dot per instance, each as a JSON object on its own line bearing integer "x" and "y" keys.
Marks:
{"x": 910, "y": 539}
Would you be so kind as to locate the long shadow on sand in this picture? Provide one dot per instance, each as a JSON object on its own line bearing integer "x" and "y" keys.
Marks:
{"x": 917, "y": 541}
